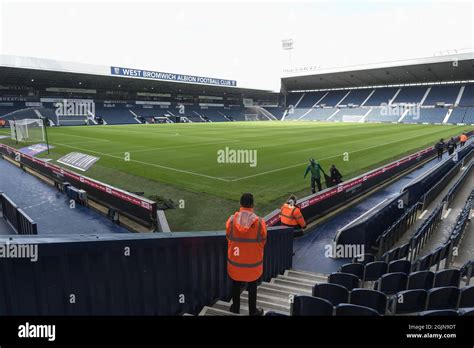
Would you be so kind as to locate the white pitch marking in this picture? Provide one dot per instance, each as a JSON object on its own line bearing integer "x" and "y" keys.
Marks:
{"x": 80, "y": 136}
{"x": 322, "y": 159}
{"x": 422, "y": 214}
{"x": 145, "y": 163}
{"x": 447, "y": 213}
{"x": 176, "y": 147}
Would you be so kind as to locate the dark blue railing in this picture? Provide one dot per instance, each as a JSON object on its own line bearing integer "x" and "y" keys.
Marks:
{"x": 131, "y": 274}
{"x": 17, "y": 218}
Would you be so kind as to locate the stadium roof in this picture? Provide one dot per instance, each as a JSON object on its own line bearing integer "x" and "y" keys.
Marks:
{"x": 455, "y": 67}
{"x": 51, "y": 73}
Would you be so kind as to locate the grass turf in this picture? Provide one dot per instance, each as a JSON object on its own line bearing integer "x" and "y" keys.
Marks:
{"x": 179, "y": 161}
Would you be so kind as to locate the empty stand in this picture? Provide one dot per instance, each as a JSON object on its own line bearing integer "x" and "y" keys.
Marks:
{"x": 426, "y": 115}
{"x": 381, "y": 96}
{"x": 442, "y": 94}
{"x": 410, "y": 95}
{"x": 467, "y": 98}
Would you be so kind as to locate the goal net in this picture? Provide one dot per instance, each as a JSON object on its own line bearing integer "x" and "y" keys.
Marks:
{"x": 251, "y": 117}
{"x": 27, "y": 130}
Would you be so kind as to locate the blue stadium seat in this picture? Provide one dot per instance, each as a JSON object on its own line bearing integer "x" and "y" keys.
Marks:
{"x": 364, "y": 258}
{"x": 403, "y": 266}
{"x": 308, "y": 305}
{"x": 468, "y": 96}
{"x": 466, "y": 311}
{"x": 334, "y": 293}
{"x": 381, "y": 96}
{"x": 447, "y": 277}
{"x": 443, "y": 298}
{"x": 356, "y": 269}
{"x": 345, "y": 309}
{"x": 466, "y": 298}
{"x": 349, "y": 281}
{"x": 369, "y": 298}
{"x": 467, "y": 271}
{"x": 404, "y": 250}
{"x": 423, "y": 263}
{"x": 391, "y": 283}
{"x": 374, "y": 270}
{"x": 420, "y": 280}
{"x": 409, "y": 301}
{"x": 439, "y": 313}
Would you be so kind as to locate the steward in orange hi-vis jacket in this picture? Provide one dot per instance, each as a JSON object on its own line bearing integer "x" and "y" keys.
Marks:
{"x": 246, "y": 236}
{"x": 290, "y": 214}
{"x": 463, "y": 139}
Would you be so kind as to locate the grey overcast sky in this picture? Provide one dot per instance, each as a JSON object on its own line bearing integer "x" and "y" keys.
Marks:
{"x": 238, "y": 40}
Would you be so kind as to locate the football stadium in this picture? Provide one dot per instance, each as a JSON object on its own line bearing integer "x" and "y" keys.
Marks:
{"x": 345, "y": 191}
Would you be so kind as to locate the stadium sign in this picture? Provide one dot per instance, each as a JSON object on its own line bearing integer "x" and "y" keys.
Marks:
{"x": 162, "y": 76}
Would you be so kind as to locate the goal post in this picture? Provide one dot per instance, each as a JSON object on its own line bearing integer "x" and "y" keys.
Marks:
{"x": 27, "y": 130}
{"x": 251, "y": 117}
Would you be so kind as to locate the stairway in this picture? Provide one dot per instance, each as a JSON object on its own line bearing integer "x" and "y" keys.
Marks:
{"x": 272, "y": 296}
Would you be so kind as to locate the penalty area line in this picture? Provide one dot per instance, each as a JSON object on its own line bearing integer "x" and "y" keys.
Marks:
{"x": 145, "y": 163}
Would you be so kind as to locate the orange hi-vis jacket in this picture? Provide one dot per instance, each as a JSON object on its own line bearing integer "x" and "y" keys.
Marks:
{"x": 463, "y": 138}
{"x": 291, "y": 216}
{"x": 246, "y": 237}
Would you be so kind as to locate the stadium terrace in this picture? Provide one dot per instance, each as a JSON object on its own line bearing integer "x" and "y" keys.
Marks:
{"x": 362, "y": 192}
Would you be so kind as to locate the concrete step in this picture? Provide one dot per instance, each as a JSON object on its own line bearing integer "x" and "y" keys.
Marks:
{"x": 267, "y": 307}
{"x": 213, "y": 311}
{"x": 244, "y": 309}
{"x": 298, "y": 280}
{"x": 225, "y": 306}
{"x": 286, "y": 288}
{"x": 292, "y": 284}
{"x": 263, "y": 296}
{"x": 317, "y": 277}
{"x": 274, "y": 292}
{"x": 268, "y": 304}
{"x": 188, "y": 315}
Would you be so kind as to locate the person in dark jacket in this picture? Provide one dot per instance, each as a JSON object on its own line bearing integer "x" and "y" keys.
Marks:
{"x": 440, "y": 145}
{"x": 451, "y": 146}
{"x": 336, "y": 176}
{"x": 315, "y": 169}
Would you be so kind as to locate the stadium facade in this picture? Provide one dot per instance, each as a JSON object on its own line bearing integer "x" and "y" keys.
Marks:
{"x": 429, "y": 90}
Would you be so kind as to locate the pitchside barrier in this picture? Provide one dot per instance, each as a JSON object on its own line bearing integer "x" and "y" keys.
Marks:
{"x": 439, "y": 174}
{"x": 136, "y": 208}
{"x": 135, "y": 274}
{"x": 321, "y": 203}
{"x": 17, "y": 218}
{"x": 366, "y": 229}
{"x": 411, "y": 249}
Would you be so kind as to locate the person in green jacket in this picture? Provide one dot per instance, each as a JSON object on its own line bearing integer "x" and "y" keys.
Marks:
{"x": 315, "y": 169}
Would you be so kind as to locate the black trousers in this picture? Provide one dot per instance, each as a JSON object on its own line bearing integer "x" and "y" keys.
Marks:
{"x": 440, "y": 154}
{"x": 315, "y": 181}
{"x": 252, "y": 290}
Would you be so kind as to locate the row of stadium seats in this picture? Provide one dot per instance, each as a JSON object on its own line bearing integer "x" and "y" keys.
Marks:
{"x": 358, "y": 301}
{"x": 378, "y": 114}
{"x": 426, "y": 95}
{"x": 398, "y": 293}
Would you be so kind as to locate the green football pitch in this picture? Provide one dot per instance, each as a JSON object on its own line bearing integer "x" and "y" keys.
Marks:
{"x": 192, "y": 164}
